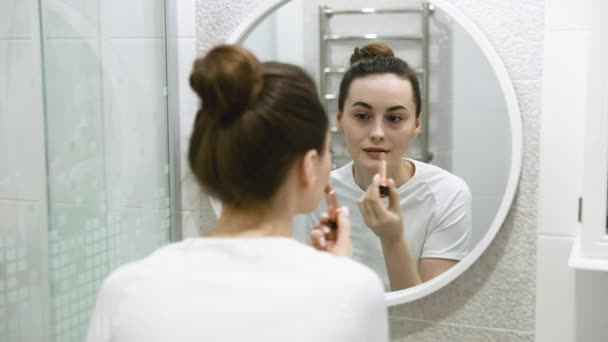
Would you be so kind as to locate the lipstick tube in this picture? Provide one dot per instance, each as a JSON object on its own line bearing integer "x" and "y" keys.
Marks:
{"x": 383, "y": 182}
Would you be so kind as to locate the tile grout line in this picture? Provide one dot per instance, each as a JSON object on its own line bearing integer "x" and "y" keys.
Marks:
{"x": 464, "y": 325}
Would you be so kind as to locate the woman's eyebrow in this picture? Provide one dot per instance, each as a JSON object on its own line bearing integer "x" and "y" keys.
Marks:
{"x": 396, "y": 108}
{"x": 363, "y": 104}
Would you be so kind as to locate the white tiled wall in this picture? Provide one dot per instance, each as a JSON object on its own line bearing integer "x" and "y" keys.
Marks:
{"x": 71, "y": 19}
{"x": 555, "y": 284}
{"x": 133, "y": 106}
{"x": 564, "y": 102}
{"x": 20, "y": 121}
{"x": 23, "y": 254}
{"x": 23, "y": 310}
{"x": 134, "y": 118}
{"x": 563, "y": 105}
{"x": 571, "y": 304}
{"x": 106, "y": 111}
{"x": 104, "y": 67}
{"x": 132, "y": 19}
{"x": 188, "y": 106}
{"x": 73, "y": 107}
{"x": 567, "y": 15}
{"x": 17, "y": 19}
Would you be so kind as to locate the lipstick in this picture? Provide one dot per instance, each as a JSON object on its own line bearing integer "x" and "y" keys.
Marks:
{"x": 383, "y": 182}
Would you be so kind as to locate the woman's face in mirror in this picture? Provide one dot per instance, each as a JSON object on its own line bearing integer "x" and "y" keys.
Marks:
{"x": 379, "y": 118}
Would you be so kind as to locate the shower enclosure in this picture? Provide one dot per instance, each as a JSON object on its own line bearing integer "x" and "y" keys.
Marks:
{"x": 87, "y": 154}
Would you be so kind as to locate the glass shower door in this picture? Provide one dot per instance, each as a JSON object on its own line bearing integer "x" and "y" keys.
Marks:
{"x": 104, "y": 66}
{"x": 84, "y": 163}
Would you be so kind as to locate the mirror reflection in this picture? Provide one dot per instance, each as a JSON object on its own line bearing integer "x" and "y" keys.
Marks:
{"x": 405, "y": 87}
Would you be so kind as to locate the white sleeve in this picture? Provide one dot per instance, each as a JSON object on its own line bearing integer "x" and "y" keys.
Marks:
{"x": 104, "y": 315}
{"x": 450, "y": 229}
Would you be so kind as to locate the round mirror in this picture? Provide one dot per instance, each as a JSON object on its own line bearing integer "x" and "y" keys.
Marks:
{"x": 470, "y": 123}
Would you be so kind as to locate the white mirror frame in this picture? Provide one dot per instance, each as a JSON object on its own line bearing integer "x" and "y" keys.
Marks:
{"x": 417, "y": 292}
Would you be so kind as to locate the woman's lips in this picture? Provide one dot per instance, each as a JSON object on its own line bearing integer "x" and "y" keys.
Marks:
{"x": 375, "y": 153}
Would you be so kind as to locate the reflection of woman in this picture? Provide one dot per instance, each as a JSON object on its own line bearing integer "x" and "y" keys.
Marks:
{"x": 260, "y": 144}
{"x": 422, "y": 228}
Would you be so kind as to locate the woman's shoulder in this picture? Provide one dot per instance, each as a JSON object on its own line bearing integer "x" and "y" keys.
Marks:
{"x": 328, "y": 261}
{"x": 342, "y": 180}
{"x": 131, "y": 270}
{"x": 341, "y": 272}
{"x": 342, "y": 173}
{"x": 439, "y": 179}
{"x": 302, "y": 260}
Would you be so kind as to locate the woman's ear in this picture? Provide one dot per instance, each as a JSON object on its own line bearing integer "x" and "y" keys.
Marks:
{"x": 308, "y": 174}
{"x": 339, "y": 120}
{"x": 418, "y": 125}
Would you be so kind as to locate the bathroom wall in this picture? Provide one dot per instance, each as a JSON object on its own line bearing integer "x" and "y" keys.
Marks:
{"x": 494, "y": 299}
{"x": 106, "y": 135}
{"x": 571, "y": 304}
{"x": 192, "y": 210}
{"x": 103, "y": 97}
{"x": 23, "y": 235}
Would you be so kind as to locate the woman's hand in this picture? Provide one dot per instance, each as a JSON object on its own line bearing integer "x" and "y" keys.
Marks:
{"x": 385, "y": 222}
{"x": 335, "y": 240}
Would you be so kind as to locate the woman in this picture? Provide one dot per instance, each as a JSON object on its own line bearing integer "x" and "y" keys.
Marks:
{"x": 260, "y": 144}
{"x": 423, "y": 227}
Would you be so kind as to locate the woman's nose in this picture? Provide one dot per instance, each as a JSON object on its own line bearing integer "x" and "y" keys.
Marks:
{"x": 377, "y": 132}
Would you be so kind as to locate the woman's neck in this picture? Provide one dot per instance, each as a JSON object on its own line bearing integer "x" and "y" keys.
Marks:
{"x": 400, "y": 171}
{"x": 252, "y": 223}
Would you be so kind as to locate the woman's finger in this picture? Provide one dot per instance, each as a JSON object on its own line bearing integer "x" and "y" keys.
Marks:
{"x": 362, "y": 208}
{"x": 373, "y": 190}
{"x": 330, "y": 234}
{"x": 376, "y": 208}
{"x": 393, "y": 197}
{"x": 318, "y": 240}
{"x": 372, "y": 212}
{"x": 330, "y": 197}
{"x": 343, "y": 243}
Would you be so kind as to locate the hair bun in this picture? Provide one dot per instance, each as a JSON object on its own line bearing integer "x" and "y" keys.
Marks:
{"x": 371, "y": 50}
{"x": 229, "y": 79}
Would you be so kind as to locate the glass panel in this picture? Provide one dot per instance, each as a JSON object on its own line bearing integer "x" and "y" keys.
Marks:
{"x": 107, "y": 146}
{"x": 23, "y": 259}
{"x": 22, "y": 262}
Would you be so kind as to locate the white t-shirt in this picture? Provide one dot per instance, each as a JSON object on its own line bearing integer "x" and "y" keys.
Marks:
{"x": 240, "y": 289}
{"x": 436, "y": 207}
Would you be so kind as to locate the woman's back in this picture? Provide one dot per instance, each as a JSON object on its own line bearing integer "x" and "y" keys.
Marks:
{"x": 260, "y": 144}
{"x": 235, "y": 289}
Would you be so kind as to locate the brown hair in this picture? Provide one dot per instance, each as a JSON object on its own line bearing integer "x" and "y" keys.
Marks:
{"x": 378, "y": 58}
{"x": 254, "y": 121}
